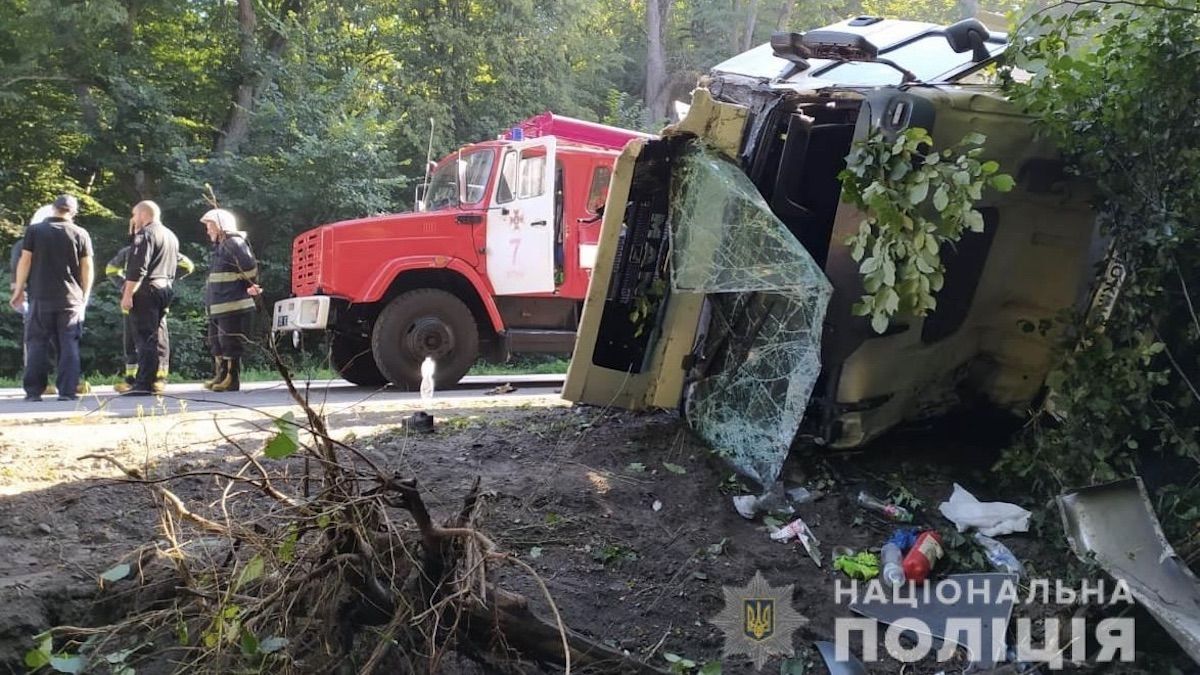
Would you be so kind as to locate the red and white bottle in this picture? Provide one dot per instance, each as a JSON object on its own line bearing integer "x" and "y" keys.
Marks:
{"x": 923, "y": 556}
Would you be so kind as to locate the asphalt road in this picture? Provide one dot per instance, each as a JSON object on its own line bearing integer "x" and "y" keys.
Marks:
{"x": 192, "y": 397}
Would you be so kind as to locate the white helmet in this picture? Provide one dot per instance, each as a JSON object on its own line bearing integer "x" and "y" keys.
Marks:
{"x": 42, "y": 214}
{"x": 225, "y": 220}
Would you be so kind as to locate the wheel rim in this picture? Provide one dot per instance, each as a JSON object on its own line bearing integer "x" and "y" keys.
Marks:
{"x": 428, "y": 336}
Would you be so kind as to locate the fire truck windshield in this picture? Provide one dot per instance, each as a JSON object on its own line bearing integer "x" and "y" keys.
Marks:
{"x": 443, "y": 185}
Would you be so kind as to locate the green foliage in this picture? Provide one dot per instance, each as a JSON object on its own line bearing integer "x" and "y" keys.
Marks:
{"x": 137, "y": 101}
{"x": 685, "y": 666}
{"x": 286, "y": 440}
{"x": 116, "y": 573}
{"x": 62, "y": 662}
{"x": 614, "y": 554}
{"x": 674, "y": 468}
{"x": 1114, "y": 86}
{"x": 898, "y": 247}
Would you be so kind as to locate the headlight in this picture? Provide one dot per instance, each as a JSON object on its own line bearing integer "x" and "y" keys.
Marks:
{"x": 310, "y": 310}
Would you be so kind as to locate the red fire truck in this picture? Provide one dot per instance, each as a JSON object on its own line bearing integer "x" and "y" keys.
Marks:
{"x": 495, "y": 260}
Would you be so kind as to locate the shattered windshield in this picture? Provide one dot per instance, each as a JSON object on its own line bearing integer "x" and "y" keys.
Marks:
{"x": 759, "y": 354}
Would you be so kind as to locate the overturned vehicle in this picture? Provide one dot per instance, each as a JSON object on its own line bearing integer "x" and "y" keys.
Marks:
{"x": 725, "y": 283}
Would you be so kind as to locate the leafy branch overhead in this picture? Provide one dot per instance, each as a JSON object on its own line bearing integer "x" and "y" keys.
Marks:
{"x": 916, "y": 199}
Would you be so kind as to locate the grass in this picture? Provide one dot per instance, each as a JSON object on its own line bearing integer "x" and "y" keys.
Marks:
{"x": 522, "y": 365}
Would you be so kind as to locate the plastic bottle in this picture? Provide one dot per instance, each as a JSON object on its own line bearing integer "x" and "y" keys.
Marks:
{"x": 427, "y": 368}
{"x": 999, "y": 555}
{"x": 889, "y": 511}
{"x": 924, "y": 555}
{"x": 893, "y": 570}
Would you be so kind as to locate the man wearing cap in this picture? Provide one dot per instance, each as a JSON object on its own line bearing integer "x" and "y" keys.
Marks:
{"x": 54, "y": 274}
{"x": 229, "y": 295}
{"x": 148, "y": 292}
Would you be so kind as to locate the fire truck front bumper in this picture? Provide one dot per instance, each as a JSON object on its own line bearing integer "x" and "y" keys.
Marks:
{"x": 309, "y": 312}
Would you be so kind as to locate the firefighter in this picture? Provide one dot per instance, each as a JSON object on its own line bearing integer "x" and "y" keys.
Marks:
{"x": 148, "y": 291}
{"x": 115, "y": 271}
{"x": 230, "y": 297}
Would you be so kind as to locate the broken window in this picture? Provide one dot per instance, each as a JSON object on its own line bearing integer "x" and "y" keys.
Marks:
{"x": 758, "y": 350}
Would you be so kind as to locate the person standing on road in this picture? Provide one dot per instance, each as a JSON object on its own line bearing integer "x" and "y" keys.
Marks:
{"x": 115, "y": 270}
{"x": 56, "y": 266}
{"x": 147, "y": 294}
{"x": 230, "y": 298}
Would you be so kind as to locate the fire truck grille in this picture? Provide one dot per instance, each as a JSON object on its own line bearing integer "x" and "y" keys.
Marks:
{"x": 306, "y": 263}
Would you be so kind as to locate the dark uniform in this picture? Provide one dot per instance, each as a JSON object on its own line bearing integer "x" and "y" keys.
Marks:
{"x": 152, "y": 261}
{"x": 56, "y": 303}
{"x": 232, "y": 271}
{"x": 115, "y": 270}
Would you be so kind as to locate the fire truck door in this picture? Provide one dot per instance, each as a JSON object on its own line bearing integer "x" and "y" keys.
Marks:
{"x": 520, "y": 225}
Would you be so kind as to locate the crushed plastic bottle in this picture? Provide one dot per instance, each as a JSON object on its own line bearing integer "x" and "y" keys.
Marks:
{"x": 893, "y": 570}
{"x": 427, "y": 369}
{"x": 999, "y": 555}
{"x": 886, "y": 509}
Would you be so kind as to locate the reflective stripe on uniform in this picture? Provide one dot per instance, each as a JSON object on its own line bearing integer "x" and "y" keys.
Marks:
{"x": 113, "y": 271}
{"x": 219, "y": 277}
{"x": 227, "y": 307}
{"x": 130, "y": 369}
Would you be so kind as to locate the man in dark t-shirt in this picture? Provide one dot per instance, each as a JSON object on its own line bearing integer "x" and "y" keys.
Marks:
{"x": 148, "y": 292}
{"x": 56, "y": 271}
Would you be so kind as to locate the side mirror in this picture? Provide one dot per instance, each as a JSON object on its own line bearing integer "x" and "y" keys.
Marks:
{"x": 788, "y": 46}
{"x": 461, "y": 173}
{"x": 969, "y": 35}
{"x": 419, "y": 196}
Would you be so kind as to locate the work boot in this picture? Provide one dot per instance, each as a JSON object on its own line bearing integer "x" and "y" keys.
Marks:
{"x": 233, "y": 373}
{"x": 83, "y": 387}
{"x": 218, "y": 372}
{"x": 159, "y": 386}
{"x": 122, "y": 387}
{"x": 51, "y": 390}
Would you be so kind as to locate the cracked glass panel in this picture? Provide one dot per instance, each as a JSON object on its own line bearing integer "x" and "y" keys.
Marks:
{"x": 758, "y": 350}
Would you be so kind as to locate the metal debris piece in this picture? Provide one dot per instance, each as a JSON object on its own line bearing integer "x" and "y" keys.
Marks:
{"x": 1116, "y": 524}
{"x": 505, "y": 388}
{"x": 989, "y": 611}
{"x": 419, "y": 422}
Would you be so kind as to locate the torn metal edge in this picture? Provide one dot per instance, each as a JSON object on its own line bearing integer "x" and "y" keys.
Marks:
{"x": 1162, "y": 566}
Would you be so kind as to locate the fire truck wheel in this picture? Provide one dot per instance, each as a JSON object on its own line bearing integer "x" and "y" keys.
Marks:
{"x": 352, "y": 359}
{"x": 421, "y": 323}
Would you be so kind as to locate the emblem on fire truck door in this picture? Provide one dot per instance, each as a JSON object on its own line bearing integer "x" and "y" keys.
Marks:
{"x": 516, "y": 218}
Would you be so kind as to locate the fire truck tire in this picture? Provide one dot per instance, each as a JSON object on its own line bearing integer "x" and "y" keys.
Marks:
{"x": 420, "y": 323}
{"x": 353, "y": 360}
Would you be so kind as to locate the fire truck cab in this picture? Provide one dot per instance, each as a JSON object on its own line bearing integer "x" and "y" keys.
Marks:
{"x": 496, "y": 259}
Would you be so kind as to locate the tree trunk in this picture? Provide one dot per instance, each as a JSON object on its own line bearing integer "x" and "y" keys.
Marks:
{"x": 751, "y": 20}
{"x": 656, "y": 94}
{"x": 237, "y": 125}
{"x": 255, "y": 72}
{"x": 785, "y": 15}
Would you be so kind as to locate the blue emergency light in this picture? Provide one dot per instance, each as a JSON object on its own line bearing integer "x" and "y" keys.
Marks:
{"x": 518, "y": 134}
